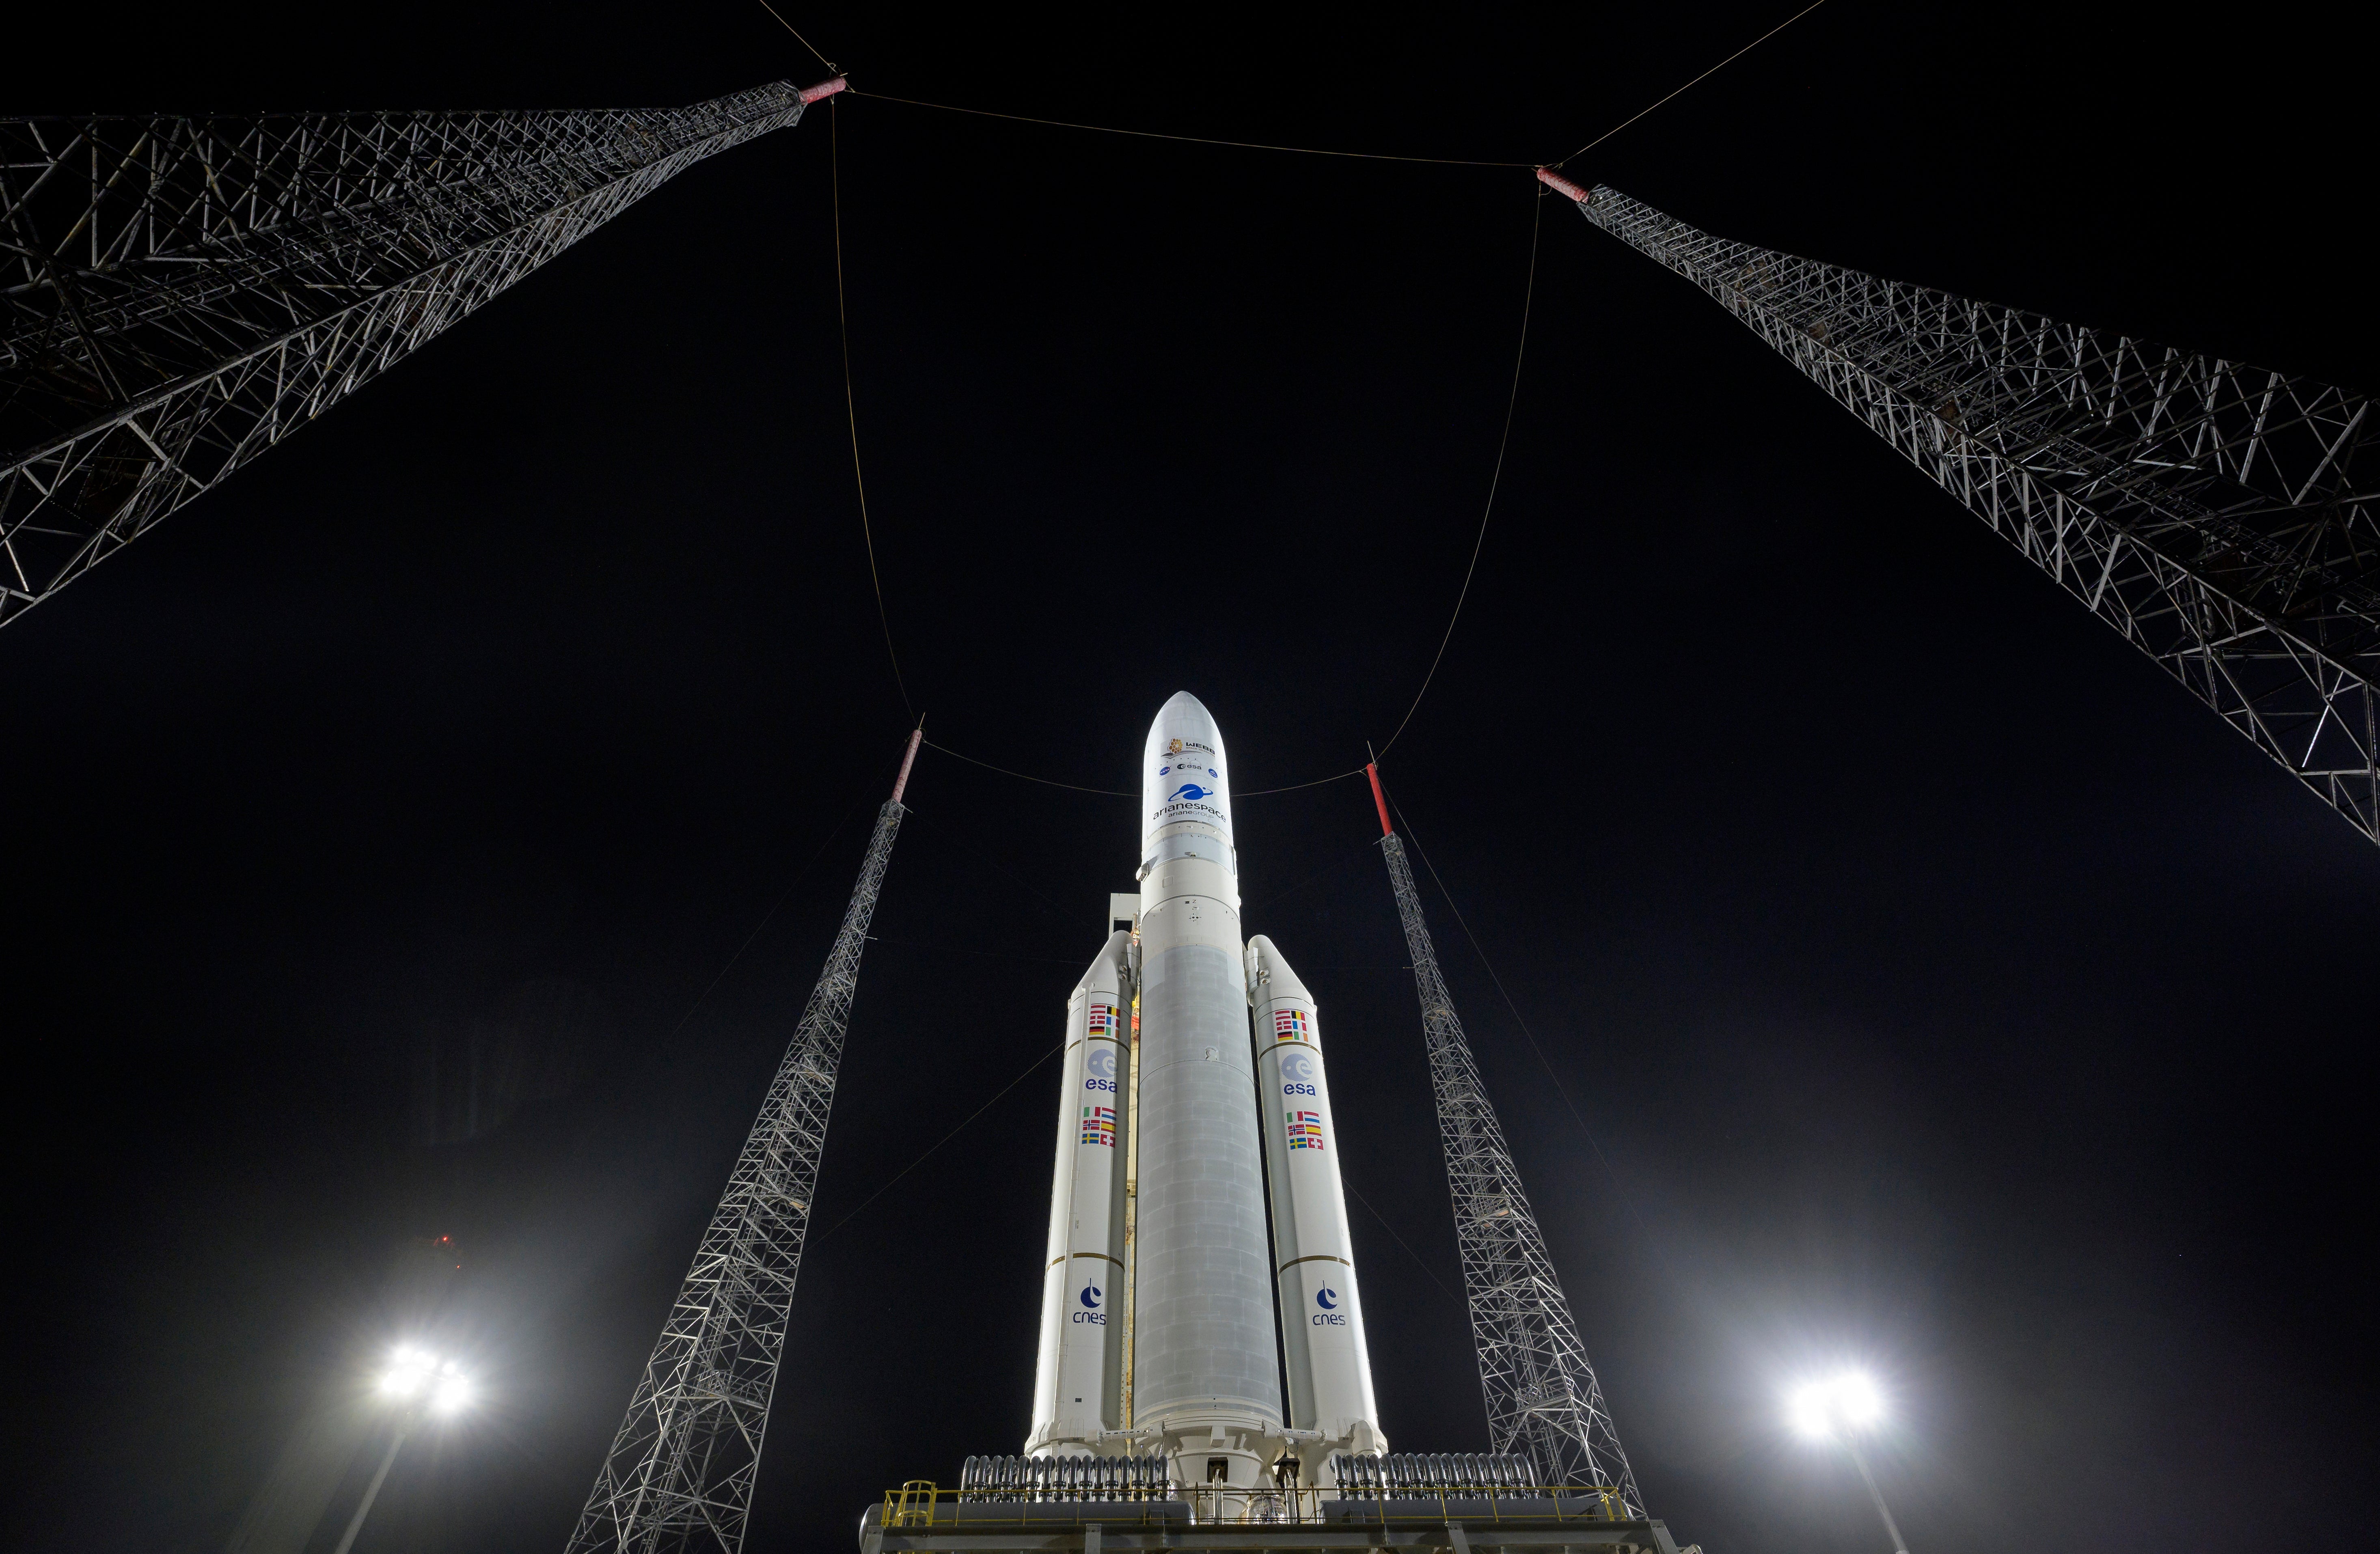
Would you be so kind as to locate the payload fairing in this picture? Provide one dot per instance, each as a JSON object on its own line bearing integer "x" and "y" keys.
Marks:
{"x": 1194, "y": 1098}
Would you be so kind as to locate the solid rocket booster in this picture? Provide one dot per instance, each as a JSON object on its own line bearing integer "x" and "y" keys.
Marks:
{"x": 1203, "y": 1324}
{"x": 1078, "y": 1378}
{"x": 1329, "y": 1365}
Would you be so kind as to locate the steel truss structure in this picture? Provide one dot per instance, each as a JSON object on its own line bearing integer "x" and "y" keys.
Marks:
{"x": 179, "y": 294}
{"x": 679, "y": 1475}
{"x": 2216, "y": 514}
{"x": 1543, "y": 1399}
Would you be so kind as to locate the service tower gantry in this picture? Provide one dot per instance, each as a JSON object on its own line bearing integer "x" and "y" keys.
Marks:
{"x": 179, "y": 294}
{"x": 2222, "y": 518}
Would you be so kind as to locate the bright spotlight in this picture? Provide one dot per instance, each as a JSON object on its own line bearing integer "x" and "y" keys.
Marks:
{"x": 1825, "y": 1408}
{"x": 452, "y": 1394}
{"x": 410, "y": 1371}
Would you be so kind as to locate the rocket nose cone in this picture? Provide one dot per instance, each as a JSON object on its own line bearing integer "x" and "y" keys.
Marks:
{"x": 1183, "y": 724}
{"x": 1182, "y": 708}
{"x": 1186, "y": 778}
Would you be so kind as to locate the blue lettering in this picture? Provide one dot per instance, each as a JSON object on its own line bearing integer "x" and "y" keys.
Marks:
{"x": 1322, "y": 1321}
{"x": 1297, "y": 1089}
{"x": 1096, "y": 1319}
{"x": 1107, "y": 1085}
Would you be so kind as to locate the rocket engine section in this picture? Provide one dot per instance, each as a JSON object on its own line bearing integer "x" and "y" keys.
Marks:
{"x": 1321, "y": 1314}
{"x": 1078, "y": 1378}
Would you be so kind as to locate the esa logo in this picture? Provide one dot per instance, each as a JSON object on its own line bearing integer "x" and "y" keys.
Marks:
{"x": 1091, "y": 1297}
{"x": 1102, "y": 1066}
{"x": 1330, "y": 1316}
{"x": 1297, "y": 1074}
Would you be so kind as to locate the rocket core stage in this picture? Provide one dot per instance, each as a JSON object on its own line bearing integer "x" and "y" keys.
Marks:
{"x": 1222, "y": 1079}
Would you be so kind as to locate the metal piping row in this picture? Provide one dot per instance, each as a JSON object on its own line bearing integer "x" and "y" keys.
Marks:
{"x": 1063, "y": 1478}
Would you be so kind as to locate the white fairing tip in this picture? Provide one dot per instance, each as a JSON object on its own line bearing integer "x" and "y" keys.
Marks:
{"x": 1185, "y": 774}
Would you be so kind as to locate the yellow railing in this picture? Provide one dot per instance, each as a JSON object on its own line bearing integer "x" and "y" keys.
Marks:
{"x": 919, "y": 1503}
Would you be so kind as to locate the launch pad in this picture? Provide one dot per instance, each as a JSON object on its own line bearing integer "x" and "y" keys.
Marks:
{"x": 919, "y": 1519}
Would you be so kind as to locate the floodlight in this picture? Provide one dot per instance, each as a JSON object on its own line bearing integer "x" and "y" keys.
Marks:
{"x": 1837, "y": 1409}
{"x": 1826, "y": 1408}
{"x": 410, "y": 1370}
{"x": 452, "y": 1394}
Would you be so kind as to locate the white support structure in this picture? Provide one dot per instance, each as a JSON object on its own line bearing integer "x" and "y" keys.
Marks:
{"x": 1543, "y": 1399}
{"x": 179, "y": 293}
{"x": 680, "y": 1472}
{"x": 2220, "y": 517}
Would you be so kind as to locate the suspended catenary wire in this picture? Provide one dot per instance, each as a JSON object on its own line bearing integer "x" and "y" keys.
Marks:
{"x": 1192, "y": 139}
{"x": 1503, "y": 441}
{"x": 1405, "y": 825}
{"x": 766, "y": 917}
{"x": 1528, "y": 298}
{"x": 920, "y": 1158}
{"x": 1027, "y": 777}
{"x": 851, "y": 402}
{"x": 797, "y": 37}
{"x": 1713, "y": 70}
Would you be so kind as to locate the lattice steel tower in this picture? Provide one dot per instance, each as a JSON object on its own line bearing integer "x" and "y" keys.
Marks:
{"x": 679, "y": 1473}
{"x": 179, "y": 294}
{"x": 2222, "y": 518}
{"x": 1543, "y": 1399}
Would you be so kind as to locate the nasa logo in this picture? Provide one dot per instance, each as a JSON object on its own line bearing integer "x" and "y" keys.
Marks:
{"x": 1189, "y": 791}
{"x": 1163, "y": 770}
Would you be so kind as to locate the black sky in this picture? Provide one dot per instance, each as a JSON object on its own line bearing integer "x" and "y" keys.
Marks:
{"x": 1947, "y": 991}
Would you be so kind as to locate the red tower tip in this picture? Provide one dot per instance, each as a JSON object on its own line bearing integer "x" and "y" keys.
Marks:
{"x": 1562, "y": 186}
{"x": 824, "y": 89}
{"x": 1380, "y": 802}
{"x": 901, "y": 782}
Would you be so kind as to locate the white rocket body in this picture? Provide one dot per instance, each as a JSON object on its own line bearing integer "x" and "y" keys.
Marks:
{"x": 1078, "y": 1378}
{"x": 1203, "y": 1357}
{"x": 1329, "y": 1365}
{"x": 1223, "y": 1104}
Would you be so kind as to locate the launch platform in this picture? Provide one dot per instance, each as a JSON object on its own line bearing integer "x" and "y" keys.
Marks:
{"x": 920, "y": 1518}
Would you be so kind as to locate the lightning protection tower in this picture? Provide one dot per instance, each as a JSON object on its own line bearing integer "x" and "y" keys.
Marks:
{"x": 179, "y": 294}
{"x": 2222, "y": 518}
{"x": 679, "y": 1475}
{"x": 1543, "y": 1399}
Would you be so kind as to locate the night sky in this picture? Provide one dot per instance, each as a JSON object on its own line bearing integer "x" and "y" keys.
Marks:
{"x": 1940, "y": 988}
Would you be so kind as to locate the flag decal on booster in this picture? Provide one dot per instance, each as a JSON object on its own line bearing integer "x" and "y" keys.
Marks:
{"x": 1289, "y": 1024}
{"x": 1098, "y": 1126}
{"x": 1305, "y": 1130}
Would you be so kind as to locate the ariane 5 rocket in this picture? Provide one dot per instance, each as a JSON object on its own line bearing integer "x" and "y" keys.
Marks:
{"x": 1198, "y": 1255}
